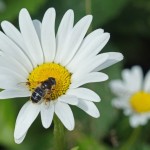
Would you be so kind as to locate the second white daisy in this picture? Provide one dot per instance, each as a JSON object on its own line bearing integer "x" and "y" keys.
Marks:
{"x": 133, "y": 95}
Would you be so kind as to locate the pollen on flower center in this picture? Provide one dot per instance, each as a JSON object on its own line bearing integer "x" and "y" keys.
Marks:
{"x": 140, "y": 102}
{"x": 44, "y": 71}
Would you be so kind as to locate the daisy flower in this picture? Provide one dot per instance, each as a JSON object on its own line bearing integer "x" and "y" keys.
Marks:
{"x": 35, "y": 53}
{"x": 133, "y": 95}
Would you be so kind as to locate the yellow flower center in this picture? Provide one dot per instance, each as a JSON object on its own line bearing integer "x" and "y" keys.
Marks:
{"x": 43, "y": 72}
{"x": 140, "y": 102}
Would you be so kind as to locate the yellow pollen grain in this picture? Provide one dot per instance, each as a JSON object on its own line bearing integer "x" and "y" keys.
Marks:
{"x": 44, "y": 71}
{"x": 140, "y": 102}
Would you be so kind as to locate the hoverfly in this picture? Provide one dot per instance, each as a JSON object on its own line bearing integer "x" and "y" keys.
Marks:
{"x": 43, "y": 89}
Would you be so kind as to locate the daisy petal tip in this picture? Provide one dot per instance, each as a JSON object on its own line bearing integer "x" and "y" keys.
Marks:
{"x": 136, "y": 68}
{"x": 114, "y": 57}
{"x": 18, "y": 141}
{"x": 106, "y": 77}
{"x": 70, "y": 11}
{"x": 3, "y": 23}
{"x": 134, "y": 121}
{"x": 100, "y": 31}
{"x": 97, "y": 115}
{"x": 133, "y": 125}
{"x": 119, "y": 56}
{"x": 90, "y": 17}
{"x": 98, "y": 99}
{"x": 23, "y": 13}
{"x": 46, "y": 126}
{"x": 23, "y": 10}
{"x": 16, "y": 135}
{"x": 71, "y": 128}
{"x": 51, "y": 10}
{"x": 107, "y": 34}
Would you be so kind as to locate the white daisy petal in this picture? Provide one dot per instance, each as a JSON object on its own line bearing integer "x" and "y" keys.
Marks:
{"x": 84, "y": 93}
{"x": 90, "y": 39}
{"x": 64, "y": 29}
{"x": 147, "y": 82}
{"x": 18, "y": 141}
{"x": 89, "y": 48}
{"x": 144, "y": 119}
{"x": 26, "y": 116}
{"x": 87, "y": 78}
{"x": 64, "y": 113}
{"x": 69, "y": 99}
{"x": 37, "y": 25}
{"x": 138, "y": 77}
{"x": 126, "y": 75}
{"x": 12, "y": 64}
{"x": 30, "y": 36}
{"x": 100, "y": 43}
{"x": 89, "y": 108}
{"x": 7, "y": 72}
{"x": 75, "y": 38}
{"x": 10, "y": 48}
{"x": 137, "y": 120}
{"x": 13, "y": 33}
{"x": 88, "y": 65}
{"x": 134, "y": 121}
{"x": 9, "y": 79}
{"x": 48, "y": 35}
{"x": 12, "y": 93}
{"x": 47, "y": 113}
{"x": 130, "y": 78}
{"x": 113, "y": 57}
{"x": 9, "y": 82}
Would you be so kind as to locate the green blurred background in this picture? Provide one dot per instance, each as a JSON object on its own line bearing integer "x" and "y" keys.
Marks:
{"x": 128, "y": 21}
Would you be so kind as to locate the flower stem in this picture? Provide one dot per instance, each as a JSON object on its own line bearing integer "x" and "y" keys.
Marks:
{"x": 132, "y": 139}
{"x": 88, "y": 10}
{"x": 59, "y": 142}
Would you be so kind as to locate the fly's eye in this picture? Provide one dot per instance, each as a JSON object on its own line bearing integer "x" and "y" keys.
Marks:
{"x": 52, "y": 81}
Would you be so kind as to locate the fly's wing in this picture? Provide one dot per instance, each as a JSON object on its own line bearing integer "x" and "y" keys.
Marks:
{"x": 47, "y": 94}
{"x": 22, "y": 84}
{"x": 26, "y": 84}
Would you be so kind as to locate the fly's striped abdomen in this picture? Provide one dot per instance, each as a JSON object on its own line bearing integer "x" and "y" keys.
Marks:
{"x": 37, "y": 95}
